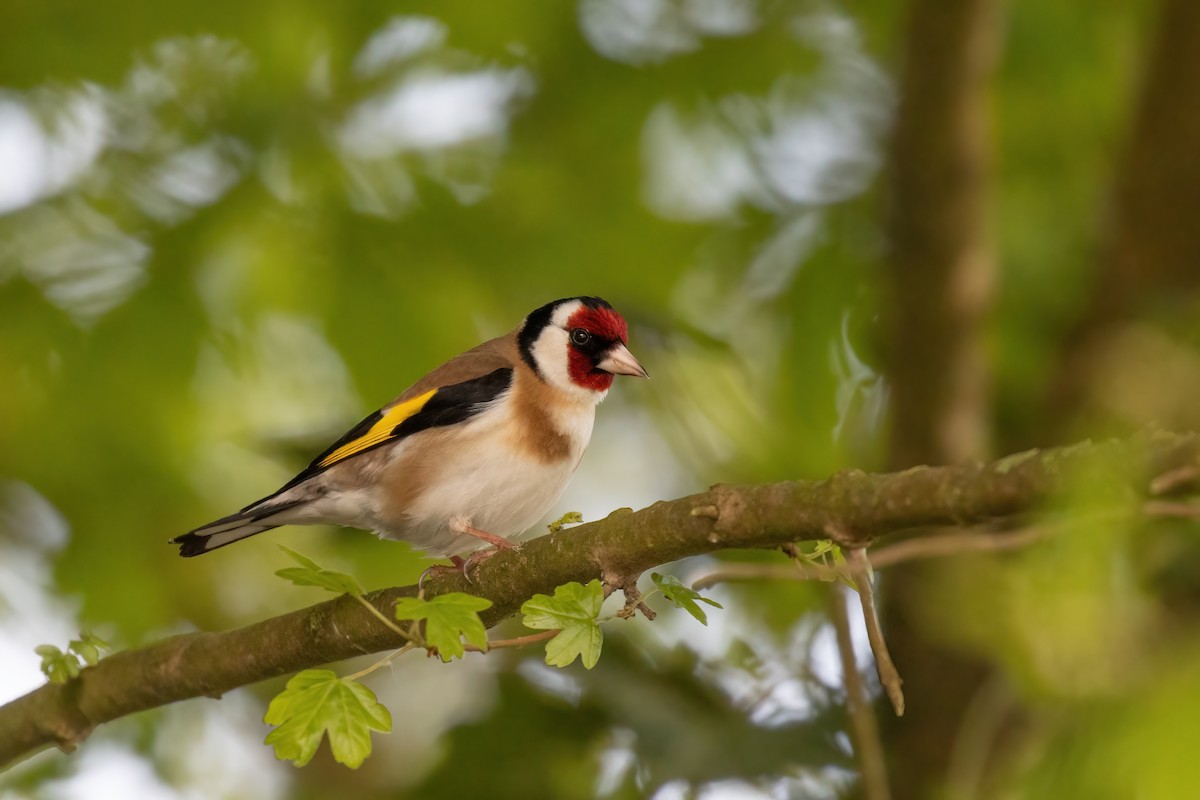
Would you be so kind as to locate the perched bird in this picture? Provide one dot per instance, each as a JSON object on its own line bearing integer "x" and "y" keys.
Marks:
{"x": 476, "y": 451}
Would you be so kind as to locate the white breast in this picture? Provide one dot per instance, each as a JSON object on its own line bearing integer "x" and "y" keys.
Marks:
{"x": 488, "y": 481}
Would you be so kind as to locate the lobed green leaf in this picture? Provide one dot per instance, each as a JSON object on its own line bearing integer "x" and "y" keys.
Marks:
{"x": 317, "y": 703}
{"x": 57, "y": 666}
{"x": 449, "y": 618}
{"x": 88, "y": 647}
{"x": 682, "y": 596}
{"x": 310, "y": 573}
{"x": 572, "y": 610}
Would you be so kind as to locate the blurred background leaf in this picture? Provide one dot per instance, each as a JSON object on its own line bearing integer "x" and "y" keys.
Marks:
{"x": 228, "y": 230}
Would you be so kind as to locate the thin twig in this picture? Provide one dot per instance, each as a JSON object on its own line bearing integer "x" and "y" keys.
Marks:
{"x": 611, "y": 581}
{"x": 737, "y": 573}
{"x": 389, "y": 658}
{"x": 863, "y": 726}
{"x": 1173, "y": 479}
{"x": 889, "y": 677}
{"x": 952, "y": 544}
{"x": 409, "y": 637}
{"x": 885, "y": 556}
{"x": 519, "y": 641}
{"x": 1166, "y": 508}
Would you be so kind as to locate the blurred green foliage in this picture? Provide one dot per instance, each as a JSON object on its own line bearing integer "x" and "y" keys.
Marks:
{"x": 229, "y": 230}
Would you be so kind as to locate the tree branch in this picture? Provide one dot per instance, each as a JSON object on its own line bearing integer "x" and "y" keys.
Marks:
{"x": 889, "y": 677}
{"x": 856, "y": 507}
{"x": 863, "y": 726}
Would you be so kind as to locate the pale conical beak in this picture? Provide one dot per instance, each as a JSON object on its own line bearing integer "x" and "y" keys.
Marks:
{"x": 619, "y": 361}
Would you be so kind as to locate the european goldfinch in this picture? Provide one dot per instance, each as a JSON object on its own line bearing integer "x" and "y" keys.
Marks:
{"x": 478, "y": 450}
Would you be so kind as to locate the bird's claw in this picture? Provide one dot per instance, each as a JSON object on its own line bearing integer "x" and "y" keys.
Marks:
{"x": 457, "y": 564}
{"x": 462, "y": 565}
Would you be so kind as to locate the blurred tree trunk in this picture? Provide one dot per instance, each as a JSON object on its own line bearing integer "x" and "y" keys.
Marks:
{"x": 941, "y": 276}
{"x": 1149, "y": 243}
{"x": 941, "y": 263}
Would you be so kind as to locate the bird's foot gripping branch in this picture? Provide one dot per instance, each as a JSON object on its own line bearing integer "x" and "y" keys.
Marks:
{"x": 555, "y": 582}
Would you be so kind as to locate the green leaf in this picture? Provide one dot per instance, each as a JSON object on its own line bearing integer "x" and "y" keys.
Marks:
{"x": 310, "y": 573}
{"x": 569, "y": 518}
{"x": 820, "y": 548}
{"x": 57, "y": 666}
{"x": 316, "y": 702}
{"x": 88, "y": 647}
{"x": 572, "y": 610}
{"x": 839, "y": 563}
{"x": 682, "y": 596}
{"x": 584, "y": 641}
{"x": 449, "y": 618}
{"x": 60, "y": 667}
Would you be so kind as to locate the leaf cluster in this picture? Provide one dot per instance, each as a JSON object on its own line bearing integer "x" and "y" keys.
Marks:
{"x": 317, "y": 703}
{"x": 60, "y": 667}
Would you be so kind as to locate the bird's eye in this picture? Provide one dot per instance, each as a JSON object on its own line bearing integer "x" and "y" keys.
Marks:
{"x": 580, "y": 336}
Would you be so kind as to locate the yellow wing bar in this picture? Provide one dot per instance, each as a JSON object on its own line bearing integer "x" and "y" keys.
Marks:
{"x": 381, "y": 431}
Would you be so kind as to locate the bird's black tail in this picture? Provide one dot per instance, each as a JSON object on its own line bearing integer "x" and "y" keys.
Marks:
{"x": 254, "y": 518}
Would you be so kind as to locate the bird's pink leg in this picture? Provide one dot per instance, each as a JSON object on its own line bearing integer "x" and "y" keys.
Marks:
{"x": 461, "y": 565}
{"x": 498, "y": 542}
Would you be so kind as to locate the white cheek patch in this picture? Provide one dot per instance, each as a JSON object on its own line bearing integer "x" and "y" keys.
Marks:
{"x": 550, "y": 352}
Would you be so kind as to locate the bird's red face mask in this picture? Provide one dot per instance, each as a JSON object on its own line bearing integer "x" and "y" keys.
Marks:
{"x": 597, "y": 351}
